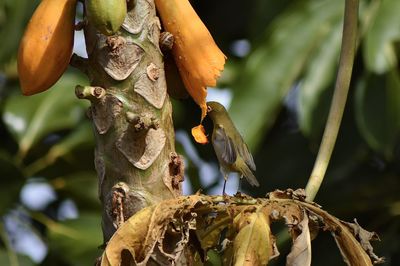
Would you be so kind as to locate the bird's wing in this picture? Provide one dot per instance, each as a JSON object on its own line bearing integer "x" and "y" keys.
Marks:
{"x": 246, "y": 172}
{"x": 247, "y": 157}
{"x": 225, "y": 145}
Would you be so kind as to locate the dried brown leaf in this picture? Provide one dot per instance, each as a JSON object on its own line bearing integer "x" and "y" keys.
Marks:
{"x": 291, "y": 213}
{"x": 252, "y": 244}
{"x": 227, "y": 255}
{"x": 208, "y": 232}
{"x": 352, "y": 252}
{"x": 144, "y": 230}
{"x": 364, "y": 237}
{"x": 352, "y": 240}
{"x": 298, "y": 194}
{"x": 249, "y": 241}
{"x": 300, "y": 255}
{"x": 129, "y": 237}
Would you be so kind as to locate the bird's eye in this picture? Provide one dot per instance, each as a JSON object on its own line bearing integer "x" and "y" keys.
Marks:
{"x": 209, "y": 109}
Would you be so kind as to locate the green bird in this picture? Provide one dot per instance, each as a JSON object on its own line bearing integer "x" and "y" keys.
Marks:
{"x": 231, "y": 150}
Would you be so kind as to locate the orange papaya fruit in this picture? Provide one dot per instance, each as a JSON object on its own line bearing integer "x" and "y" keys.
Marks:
{"x": 46, "y": 46}
{"x": 197, "y": 56}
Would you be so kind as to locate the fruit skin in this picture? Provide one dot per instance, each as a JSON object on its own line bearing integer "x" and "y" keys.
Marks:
{"x": 46, "y": 47}
{"x": 106, "y": 15}
{"x": 197, "y": 56}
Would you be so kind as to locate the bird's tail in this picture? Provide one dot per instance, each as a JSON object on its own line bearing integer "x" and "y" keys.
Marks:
{"x": 246, "y": 172}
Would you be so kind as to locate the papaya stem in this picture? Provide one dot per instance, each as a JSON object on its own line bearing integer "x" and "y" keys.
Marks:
{"x": 348, "y": 50}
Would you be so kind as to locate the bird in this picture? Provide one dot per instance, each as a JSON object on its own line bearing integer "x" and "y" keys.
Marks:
{"x": 231, "y": 150}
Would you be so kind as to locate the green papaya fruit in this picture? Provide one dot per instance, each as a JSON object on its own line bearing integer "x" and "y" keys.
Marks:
{"x": 106, "y": 15}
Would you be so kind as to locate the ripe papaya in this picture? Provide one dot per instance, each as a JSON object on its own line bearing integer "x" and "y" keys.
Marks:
{"x": 106, "y": 16}
{"x": 46, "y": 47}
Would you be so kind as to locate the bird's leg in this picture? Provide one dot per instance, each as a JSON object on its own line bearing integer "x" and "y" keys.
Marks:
{"x": 223, "y": 190}
{"x": 240, "y": 184}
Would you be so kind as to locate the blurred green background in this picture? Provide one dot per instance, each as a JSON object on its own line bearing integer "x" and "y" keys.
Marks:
{"x": 278, "y": 81}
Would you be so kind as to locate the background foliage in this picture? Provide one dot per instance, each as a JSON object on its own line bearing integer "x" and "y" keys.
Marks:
{"x": 281, "y": 92}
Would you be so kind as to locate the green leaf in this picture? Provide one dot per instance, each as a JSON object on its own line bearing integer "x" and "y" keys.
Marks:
{"x": 81, "y": 136}
{"x": 8, "y": 257}
{"x": 313, "y": 89}
{"x": 82, "y": 187}
{"x": 18, "y": 260}
{"x": 379, "y": 49}
{"x": 31, "y": 118}
{"x": 377, "y": 107}
{"x": 16, "y": 14}
{"x": 77, "y": 240}
{"x": 274, "y": 66}
{"x": 11, "y": 182}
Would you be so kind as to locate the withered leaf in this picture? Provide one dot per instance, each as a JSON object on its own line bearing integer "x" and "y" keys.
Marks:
{"x": 141, "y": 233}
{"x": 300, "y": 255}
{"x": 298, "y": 194}
{"x": 352, "y": 252}
{"x": 208, "y": 232}
{"x": 252, "y": 244}
{"x": 364, "y": 237}
{"x": 227, "y": 255}
{"x": 249, "y": 240}
{"x": 128, "y": 237}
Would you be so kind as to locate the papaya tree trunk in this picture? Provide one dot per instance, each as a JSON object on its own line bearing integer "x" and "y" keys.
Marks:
{"x": 130, "y": 109}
